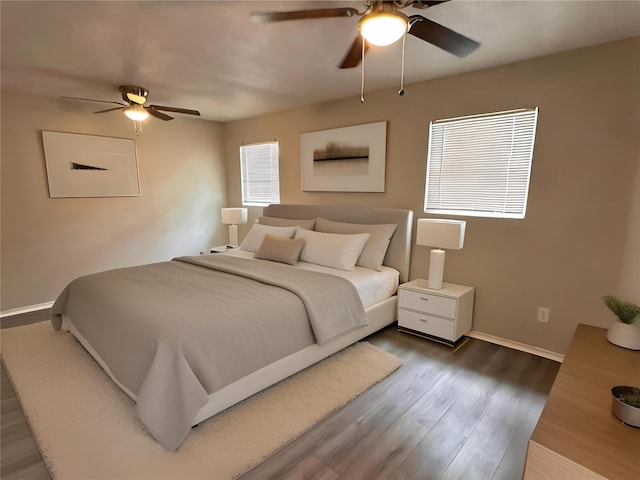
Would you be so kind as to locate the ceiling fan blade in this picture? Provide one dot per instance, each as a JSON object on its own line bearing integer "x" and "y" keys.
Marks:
{"x": 175, "y": 109}
{"x": 158, "y": 114}
{"x": 110, "y": 110}
{"x": 354, "y": 55}
{"x": 94, "y": 100}
{"x": 268, "y": 17}
{"x": 440, "y": 36}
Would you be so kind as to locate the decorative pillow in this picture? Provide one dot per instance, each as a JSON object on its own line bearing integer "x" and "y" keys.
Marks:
{"x": 288, "y": 222}
{"x": 253, "y": 240}
{"x": 283, "y": 250}
{"x": 331, "y": 249}
{"x": 376, "y": 248}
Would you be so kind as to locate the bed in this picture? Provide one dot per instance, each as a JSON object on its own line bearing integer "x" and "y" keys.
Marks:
{"x": 191, "y": 337}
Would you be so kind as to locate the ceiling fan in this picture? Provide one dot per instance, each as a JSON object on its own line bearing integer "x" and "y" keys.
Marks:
{"x": 382, "y": 24}
{"x": 135, "y": 108}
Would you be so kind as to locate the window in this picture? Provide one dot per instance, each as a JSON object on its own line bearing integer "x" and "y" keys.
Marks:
{"x": 480, "y": 165}
{"x": 259, "y": 167}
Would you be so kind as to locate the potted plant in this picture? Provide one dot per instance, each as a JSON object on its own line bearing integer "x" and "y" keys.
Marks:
{"x": 626, "y": 404}
{"x": 623, "y": 332}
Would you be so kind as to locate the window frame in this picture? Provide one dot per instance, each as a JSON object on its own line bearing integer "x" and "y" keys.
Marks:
{"x": 514, "y": 169}
{"x": 272, "y": 196}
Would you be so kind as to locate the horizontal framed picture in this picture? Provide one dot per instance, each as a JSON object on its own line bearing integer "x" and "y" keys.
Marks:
{"x": 90, "y": 166}
{"x": 348, "y": 159}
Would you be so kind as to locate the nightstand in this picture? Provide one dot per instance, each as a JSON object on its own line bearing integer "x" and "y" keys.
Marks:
{"x": 222, "y": 249}
{"x": 442, "y": 315}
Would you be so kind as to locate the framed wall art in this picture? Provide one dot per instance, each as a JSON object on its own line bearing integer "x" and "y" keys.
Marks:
{"x": 348, "y": 159}
{"x": 90, "y": 166}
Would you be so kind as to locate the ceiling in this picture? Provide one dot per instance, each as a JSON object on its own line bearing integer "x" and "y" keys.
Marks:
{"x": 213, "y": 57}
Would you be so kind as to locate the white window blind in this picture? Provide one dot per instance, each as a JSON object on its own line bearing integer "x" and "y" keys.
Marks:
{"x": 259, "y": 167}
{"x": 481, "y": 165}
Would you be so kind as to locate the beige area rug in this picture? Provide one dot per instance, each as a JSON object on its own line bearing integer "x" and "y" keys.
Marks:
{"x": 87, "y": 428}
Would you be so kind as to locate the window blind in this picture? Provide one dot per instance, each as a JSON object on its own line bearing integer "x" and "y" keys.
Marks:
{"x": 259, "y": 167}
{"x": 481, "y": 165}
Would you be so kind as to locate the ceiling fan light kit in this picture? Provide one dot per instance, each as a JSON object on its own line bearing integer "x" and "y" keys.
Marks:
{"x": 136, "y": 112}
{"x": 383, "y": 28}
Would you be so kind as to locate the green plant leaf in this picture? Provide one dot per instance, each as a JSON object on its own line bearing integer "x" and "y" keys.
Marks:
{"x": 625, "y": 311}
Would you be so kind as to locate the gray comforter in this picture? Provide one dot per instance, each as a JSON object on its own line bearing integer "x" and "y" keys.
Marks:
{"x": 174, "y": 332}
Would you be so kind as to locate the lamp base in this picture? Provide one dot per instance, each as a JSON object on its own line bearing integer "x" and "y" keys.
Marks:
{"x": 436, "y": 269}
{"x": 233, "y": 235}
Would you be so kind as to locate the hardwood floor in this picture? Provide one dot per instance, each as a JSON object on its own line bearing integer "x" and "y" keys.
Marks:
{"x": 443, "y": 415}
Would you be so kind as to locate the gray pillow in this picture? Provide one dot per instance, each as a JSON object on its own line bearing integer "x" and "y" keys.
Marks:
{"x": 278, "y": 249}
{"x": 375, "y": 249}
{"x": 288, "y": 222}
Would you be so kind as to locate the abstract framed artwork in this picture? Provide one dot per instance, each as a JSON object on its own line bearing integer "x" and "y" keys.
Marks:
{"x": 81, "y": 165}
{"x": 348, "y": 159}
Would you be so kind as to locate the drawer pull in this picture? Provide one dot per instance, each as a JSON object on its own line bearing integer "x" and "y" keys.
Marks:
{"x": 424, "y": 298}
{"x": 423, "y": 320}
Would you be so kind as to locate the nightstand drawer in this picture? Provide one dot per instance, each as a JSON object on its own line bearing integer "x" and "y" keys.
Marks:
{"x": 435, "y": 326}
{"x": 425, "y": 302}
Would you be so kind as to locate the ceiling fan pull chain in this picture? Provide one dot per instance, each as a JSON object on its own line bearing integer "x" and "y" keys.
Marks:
{"x": 401, "y": 91}
{"x": 362, "y": 75}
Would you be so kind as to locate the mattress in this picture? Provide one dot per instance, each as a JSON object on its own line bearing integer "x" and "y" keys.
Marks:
{"x": 372, "y": 286}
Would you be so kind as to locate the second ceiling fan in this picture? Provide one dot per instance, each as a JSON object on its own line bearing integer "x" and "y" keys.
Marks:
{"x": 135, "y": 107}
{"x": 383, "y": 23}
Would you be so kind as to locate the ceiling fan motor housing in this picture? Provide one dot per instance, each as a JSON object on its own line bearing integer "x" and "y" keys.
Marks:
{"x": 135, "y": 94}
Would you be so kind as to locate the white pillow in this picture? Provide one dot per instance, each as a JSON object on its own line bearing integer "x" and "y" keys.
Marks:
{"x": 376, "y": 248}
{"x": 331, "y": 249}
{"x": 254, "y": 238}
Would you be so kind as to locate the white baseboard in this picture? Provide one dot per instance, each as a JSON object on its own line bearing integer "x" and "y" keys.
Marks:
{"x": 541, "y": 352}
{"x": 32, "y": 308}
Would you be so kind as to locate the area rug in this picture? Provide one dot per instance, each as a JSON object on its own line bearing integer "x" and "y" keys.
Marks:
{"x": 86, "y": 428}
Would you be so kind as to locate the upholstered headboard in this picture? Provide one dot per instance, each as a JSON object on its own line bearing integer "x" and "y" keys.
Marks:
{"x": 399, "y": 252}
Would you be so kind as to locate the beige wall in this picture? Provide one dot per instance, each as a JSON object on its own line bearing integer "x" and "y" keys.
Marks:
{"x": 47, "y": 242}
{"x": 630, "y": 279}
{"x": 568, "y": 251}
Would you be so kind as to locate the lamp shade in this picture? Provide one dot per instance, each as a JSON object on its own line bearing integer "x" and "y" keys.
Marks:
{"x": 136, "y": 112}
{"x": 234, "y": 216}
{"x": 444, "y": 234}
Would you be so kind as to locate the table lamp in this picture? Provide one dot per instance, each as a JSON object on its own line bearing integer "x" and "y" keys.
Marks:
{"x": 441, "y": 234}
{"x": 234, "y": 217}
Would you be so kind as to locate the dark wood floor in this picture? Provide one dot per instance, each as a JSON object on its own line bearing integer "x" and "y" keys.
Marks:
{"x": 443, "y": 415}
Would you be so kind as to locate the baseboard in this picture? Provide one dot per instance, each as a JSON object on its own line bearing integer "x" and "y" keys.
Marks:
{"x": 541, "y": 352}
{"x": 32, "y": 308}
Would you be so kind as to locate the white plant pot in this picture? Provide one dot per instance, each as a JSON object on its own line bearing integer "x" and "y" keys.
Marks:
{"x": 625, "y": 335}
{"x": 625, "y": 412}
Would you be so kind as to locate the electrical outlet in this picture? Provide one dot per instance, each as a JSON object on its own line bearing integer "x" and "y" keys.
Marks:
{"x": 543, "y": 314}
